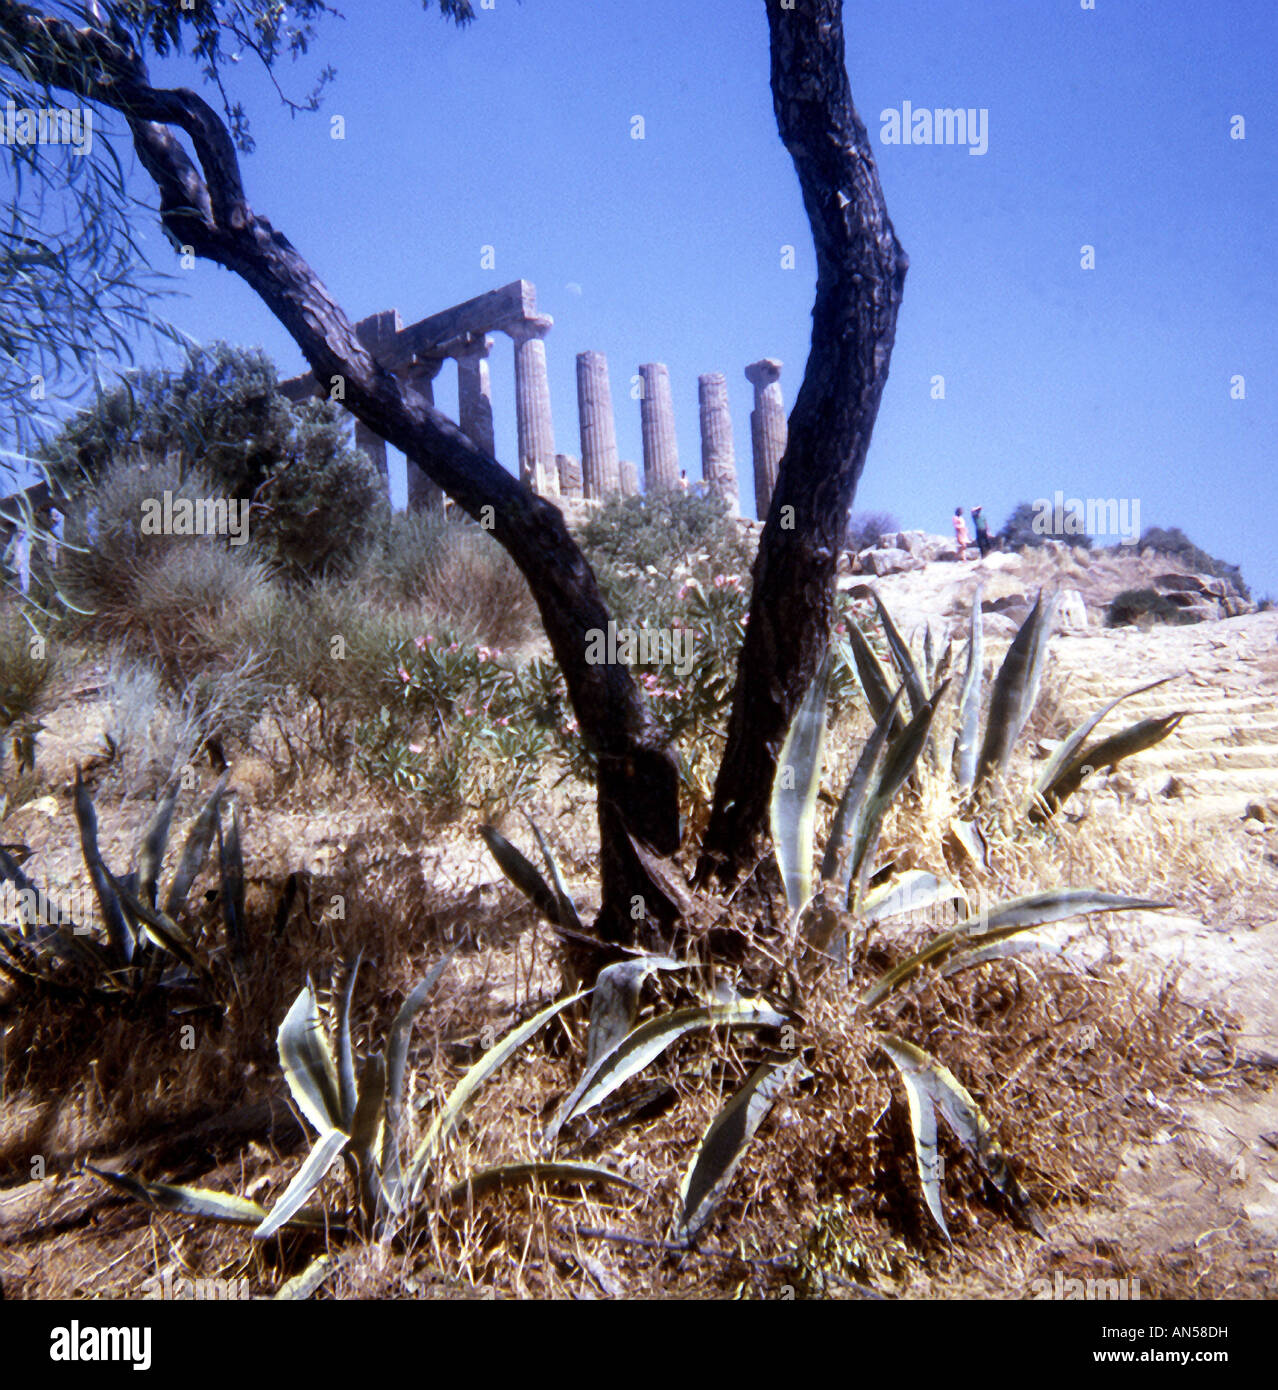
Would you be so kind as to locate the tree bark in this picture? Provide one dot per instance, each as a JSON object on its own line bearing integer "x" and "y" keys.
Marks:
{"x": 861, "y": 270}
{"x": 205, "y": 209}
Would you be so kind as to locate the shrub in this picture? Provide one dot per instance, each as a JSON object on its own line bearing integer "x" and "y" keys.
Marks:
{"x": 167, "y": 597}
{"x": 1019, "y": 530}
{"x": 1143, "y": 606}
{"x": 457, "y": 574}
{"x": 317, "y": 500}
{"x": 323, "y": 504}
{"x": 1174, "y": 542}
{"x": 26, "y": 669}
{"x": 867, "y": 529}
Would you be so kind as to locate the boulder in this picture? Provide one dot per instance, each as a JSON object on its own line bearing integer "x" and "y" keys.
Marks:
{"x": 1002, "y": 560}
{"x": 1071, "y": 612}
{"x": 887, "y": 560}
{"x": 998, "y": 625}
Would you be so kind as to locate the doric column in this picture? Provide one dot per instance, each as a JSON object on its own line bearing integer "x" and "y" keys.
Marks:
{"x": 423, "y": 495}
{"x": 474, "y": 393}
{"x": 768, "y": 429}
{"x": 376, "y": 332}
{"x": 374, "y": 446}
{"x": 656, "y": 415}
{"x": 569, "y": 475}
{"x": 718, "y": 457}
{"x": 599, "y": 474}
{"x": 532, "y": 403}
{"x": 628, "y": 481}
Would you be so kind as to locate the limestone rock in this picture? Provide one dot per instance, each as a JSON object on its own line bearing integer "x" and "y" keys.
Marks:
{"x": 1071, "y": 612}
{"x": 887, "y": 560}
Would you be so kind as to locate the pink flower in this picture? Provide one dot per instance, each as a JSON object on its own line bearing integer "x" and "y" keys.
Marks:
{"x": 415, "y": 748}
{"x": 420, "y": 642}
{"x": 403, "y": 674}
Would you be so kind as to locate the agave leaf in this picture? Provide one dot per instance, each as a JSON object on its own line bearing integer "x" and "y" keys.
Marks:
{"x": 64, "y": 939}
{"x": 345, "y": 1052}
{"x": 396, "y": 1068}
{"x": 913, "y": 891}
{"x": 725, "y": 1142}
{"x": 968, "y": 836}
{"x": 872, "y": 677}
{"x": 119, "y": 933}
{"x": 795, "y": 788}
{"x": 939, "y": 1087}
{"x": 159, "y": 928}
{"x": 1065, "y": 753}
{"x": 650, "y": 1040}
{"x": 231, "y": 866}
{"x": 922, "y": 1126}
{"x": 303, "y": 1285}
{"x": 897, "y": 766}
{"x": 450, "y": 1114}
{"x": 543, "y": 1170}
{"x": 151, "y": 853}
{"x": 836, "y": 865}
{"x": 187, "y": 1201}
{"x": 941, "y": 670}
{"x": 969, "y": 730}
{"x": 1016, "y": 688}
{"x": 521, "y": 873}
{"x": 1136, "y": 738}
{"x": 1015, "y": 915}
{"x": 995, "y": 950}
{"x": 308, "y": 1064}
{"x": 563, "y": 900}
{"x": 616, "y": 1001}
{"x": 902, "y": 657}
{"x": 368, "y": 1117}
{"x": 309, "y": 1176}
{"x": 194, "y": 849}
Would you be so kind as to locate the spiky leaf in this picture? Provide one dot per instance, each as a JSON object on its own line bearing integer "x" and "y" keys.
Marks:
{"x": 195, "y": 849}
{"x": 902, "y": 657}
{"x": 454, "y": 1107}
{"x": 937, "y": 1086}
{"x": 913, "y": 891}
{"x": 309, "y": 1176}
{"x": 725, "y": 1142}
{"x": 969, "y": 723}
{"x": 521, "y": 873}
{"x": 537, "y": 1171}
{"x": 1136, "y": 738}
{"x": 119, "y": 933}
{"x": 795, "y": 788}
{"x": 308, "y": 1064}
{"x": 1016, "y": 688}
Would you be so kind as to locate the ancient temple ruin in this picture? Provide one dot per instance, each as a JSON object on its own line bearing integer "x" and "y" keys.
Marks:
{"x": 417, "y": 353}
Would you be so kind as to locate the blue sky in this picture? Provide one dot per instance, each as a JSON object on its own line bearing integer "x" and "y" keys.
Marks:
{"x": 1108, "y": 128}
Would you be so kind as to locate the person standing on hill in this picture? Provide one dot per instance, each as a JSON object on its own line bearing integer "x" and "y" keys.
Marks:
{"x": 982, "y": 531}
{"x": 961, "y": 538}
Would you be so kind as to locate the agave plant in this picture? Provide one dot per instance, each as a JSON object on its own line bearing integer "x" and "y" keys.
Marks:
{"x": 834, "y": 908}
{"x": 356, "y": 1108}
{"x": 144, "y": 950}
{"x": 827, "y": 907}
{"x": 976, "y": 760}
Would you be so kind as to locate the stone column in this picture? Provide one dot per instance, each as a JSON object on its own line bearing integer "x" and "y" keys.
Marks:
{"x": 532, "y": 403}
{"x": 474, "y": 394}
{"x": 376, "y": 332}
{"x": 768, "y": 429}
{"x": 718, "y": 457}
{"x": 569, "y": 475}
{"x": 423, "y": 495}
{"x": 599, "y": 472}
{"x": 374, "y": 446}
{"x": 628, "y": 483}
{"x": 656, "y": 415}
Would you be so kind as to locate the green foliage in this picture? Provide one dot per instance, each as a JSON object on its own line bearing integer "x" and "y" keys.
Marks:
{"x": 1143, "y": 606}
{"x": 1020, "y": 532}
{"x": 1174, "y": 542}
{"x": 220, "y": 426}
{"x": 456, "y": 574}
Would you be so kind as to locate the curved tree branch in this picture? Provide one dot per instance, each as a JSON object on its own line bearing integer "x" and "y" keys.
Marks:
{"x": 860, "y": 278}
{"x": 638, "y": 777}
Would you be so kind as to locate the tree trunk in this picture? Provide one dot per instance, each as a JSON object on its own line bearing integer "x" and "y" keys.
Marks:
{"x": 860, "y": 276}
